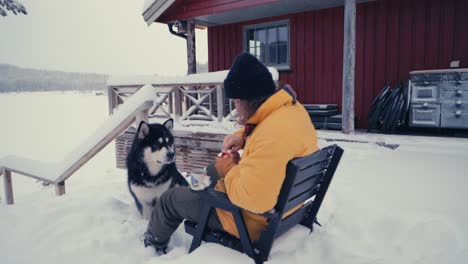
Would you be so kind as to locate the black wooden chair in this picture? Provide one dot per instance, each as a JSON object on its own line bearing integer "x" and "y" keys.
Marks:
{"x": 307, "y": 180}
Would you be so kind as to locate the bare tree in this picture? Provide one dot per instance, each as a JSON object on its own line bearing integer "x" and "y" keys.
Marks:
{"x": 12, "y": 6}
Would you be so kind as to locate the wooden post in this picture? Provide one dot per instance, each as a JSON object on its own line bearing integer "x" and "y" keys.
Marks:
{"x": 170, "y": 98}
{"x": 220, "y": 102}
{"x": 177, "y": 103}
{"x": 191, "y": 54}
{"x": 8, "y": 187}
{"x": 142, "y": 116}
{"x": 112, "y": 99}
{"x": 349, "y": 49}
{"x": 60, "y": 188}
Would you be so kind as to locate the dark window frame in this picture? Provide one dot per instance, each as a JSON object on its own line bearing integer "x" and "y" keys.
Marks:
{"x": 264, "y": 55}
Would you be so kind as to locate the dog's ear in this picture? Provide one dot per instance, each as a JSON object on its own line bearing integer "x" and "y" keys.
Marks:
{"x": 169, "y": 124}
{"x": 143, "y": 130}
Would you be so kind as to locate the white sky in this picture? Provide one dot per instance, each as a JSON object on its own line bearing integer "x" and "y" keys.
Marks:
{"x": 104, "y": 36}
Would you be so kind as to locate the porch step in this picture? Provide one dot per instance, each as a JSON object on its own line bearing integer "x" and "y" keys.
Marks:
{"x": 320, "y": 106}
{"x": 332, "y": 122}
{"x": 323, "y": 113}
{"x": 324, "y": 116}
{"x": 327, "y": 119}
{"x": 321, "y": 110}
{"x": 331, "y": 126}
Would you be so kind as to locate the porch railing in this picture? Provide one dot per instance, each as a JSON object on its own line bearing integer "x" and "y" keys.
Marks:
{"x": 58, "y": 172}
{"x": 191, "y": 97}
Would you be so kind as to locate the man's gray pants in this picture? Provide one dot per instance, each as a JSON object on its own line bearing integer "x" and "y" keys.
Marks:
{"x": 177, "y": 204}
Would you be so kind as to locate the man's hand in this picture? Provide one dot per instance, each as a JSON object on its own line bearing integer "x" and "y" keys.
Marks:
{"x": 232, "y": 143}
{"x": 223, "y": 165}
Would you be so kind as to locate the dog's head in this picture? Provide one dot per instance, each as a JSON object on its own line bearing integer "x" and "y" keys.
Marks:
{"x": 157, "y": 144}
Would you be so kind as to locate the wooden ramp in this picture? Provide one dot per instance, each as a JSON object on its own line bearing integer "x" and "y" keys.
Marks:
{"x": 134, "y": 109}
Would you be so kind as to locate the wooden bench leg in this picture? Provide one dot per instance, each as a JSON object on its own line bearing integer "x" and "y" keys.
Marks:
{"x": 8, "y": 186}
{"x": 60, "y": 188}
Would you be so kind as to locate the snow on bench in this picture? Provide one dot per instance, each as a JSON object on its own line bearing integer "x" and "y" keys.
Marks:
{"x": 57, "y": 173}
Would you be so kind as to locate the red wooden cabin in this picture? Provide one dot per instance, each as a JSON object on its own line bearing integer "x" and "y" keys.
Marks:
{"x": 304, "y": 40}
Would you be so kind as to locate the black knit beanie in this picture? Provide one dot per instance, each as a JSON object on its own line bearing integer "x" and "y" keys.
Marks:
{"x": 248, "y": 78}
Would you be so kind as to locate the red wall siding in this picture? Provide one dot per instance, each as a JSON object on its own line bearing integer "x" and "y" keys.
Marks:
{"x": 393, "y": 37}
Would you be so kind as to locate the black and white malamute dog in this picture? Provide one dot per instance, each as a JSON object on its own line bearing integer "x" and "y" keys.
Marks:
{"x": 151, "y": 165}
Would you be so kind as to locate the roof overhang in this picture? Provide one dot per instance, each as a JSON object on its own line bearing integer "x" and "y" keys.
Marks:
{"x": 211, "y": 17}
{"x": 155, "y": 9}
{"x": 268, "y": 10}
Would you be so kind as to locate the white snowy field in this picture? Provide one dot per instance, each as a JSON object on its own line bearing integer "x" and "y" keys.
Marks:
{"x": 384, "y": 206}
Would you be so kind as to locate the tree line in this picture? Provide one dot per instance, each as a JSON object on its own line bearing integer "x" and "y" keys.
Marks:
{"x": 15, "y": 79}
{"x": 12, "y": 6}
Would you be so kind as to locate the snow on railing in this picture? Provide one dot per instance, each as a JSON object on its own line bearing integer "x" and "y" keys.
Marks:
{"x": 192, "y": 97}
{"x": 135, "y": 108}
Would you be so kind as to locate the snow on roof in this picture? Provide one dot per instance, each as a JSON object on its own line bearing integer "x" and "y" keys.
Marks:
{"x": 152, "y": 9}
{"x": 147, "y": 4}
{"x": 198, "y": 78}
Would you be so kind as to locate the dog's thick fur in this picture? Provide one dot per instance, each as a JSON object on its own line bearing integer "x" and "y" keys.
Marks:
{"x": 151, "y": 165}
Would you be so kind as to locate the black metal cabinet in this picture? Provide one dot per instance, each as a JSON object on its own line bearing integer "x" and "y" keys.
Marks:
{"x": 439, "y": 98}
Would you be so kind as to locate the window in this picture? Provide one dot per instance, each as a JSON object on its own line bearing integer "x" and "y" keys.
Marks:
{"x": 269, "y": 42}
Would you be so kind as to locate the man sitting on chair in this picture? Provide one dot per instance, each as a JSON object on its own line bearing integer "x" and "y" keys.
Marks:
{"x": 276, "y": 128}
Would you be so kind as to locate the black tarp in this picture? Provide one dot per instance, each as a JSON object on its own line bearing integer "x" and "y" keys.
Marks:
{"x": 389, "y": 110}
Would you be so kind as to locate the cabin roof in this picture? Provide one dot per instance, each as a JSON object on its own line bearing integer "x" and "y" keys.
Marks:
{"x": 220, "y": 12}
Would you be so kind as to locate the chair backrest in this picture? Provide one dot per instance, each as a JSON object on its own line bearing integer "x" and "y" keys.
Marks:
{"x": 308, "y": 176}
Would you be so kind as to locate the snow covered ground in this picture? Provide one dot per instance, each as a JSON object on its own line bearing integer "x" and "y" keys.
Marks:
{"x": 384, "y": 206}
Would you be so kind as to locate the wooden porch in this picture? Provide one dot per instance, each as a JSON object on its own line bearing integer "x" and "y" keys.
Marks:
{"x": 196, "y": 102}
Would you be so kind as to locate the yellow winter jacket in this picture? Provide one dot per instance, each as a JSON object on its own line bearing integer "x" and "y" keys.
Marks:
{"x": 283, "y": 131}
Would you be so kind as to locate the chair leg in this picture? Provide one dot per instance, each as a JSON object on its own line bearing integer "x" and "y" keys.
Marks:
{"x": 266, "y": 240}
{"x": 201, "y": 227}
{"x": 244, "y": 235}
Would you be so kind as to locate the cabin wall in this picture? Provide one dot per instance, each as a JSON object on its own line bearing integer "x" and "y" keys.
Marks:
{"x": 393, "y": 37}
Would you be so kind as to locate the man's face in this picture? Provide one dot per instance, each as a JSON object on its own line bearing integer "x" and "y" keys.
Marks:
{"x": 242, "y": 109}
{"x": 240, "y": 105}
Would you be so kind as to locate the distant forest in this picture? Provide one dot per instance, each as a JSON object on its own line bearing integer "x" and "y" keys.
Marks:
{"x": 16, "y": 79}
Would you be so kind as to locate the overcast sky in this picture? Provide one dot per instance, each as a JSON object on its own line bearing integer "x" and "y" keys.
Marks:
{"x": 102, "y": 36}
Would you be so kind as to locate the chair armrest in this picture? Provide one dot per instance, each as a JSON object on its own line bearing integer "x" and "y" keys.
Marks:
{"x": 218, "y": 200}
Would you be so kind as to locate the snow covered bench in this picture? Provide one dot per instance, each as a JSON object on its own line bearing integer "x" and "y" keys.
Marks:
{"x": 307, "y": 181}
{"x": 135, "y": 108}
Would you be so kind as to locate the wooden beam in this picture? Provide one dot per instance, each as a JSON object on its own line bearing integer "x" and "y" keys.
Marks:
{"x": 106, "y": 140}
{"x": 220, "y": 102}
{"x": 349, "y": 50}
{"x": 60, "y": 188}
{"x": 8, "y": 186}
{"x": 191, "y": 50}
{"x": 29, "y": 174}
